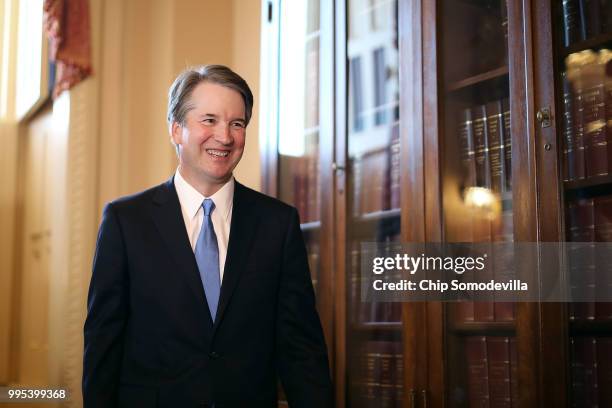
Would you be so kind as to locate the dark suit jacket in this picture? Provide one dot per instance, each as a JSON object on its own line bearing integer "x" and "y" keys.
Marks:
{"x": 149, "y": 338}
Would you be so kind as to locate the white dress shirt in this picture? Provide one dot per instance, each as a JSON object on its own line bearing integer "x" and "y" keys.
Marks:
{"x": 193, "y": 213}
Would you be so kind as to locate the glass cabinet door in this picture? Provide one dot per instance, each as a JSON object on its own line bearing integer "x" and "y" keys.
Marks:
{"x": 374, "y": 360}
{"x": 583, "y": 62}
{"x": 298, "y": 120}
{"x": 298, "y": 130}
{"x": 477, "y": 194}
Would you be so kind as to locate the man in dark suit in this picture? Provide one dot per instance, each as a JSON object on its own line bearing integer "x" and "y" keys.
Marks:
{"x": 200, "y": 294}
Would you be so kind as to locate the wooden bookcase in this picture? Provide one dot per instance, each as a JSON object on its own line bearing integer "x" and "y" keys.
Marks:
{"x": 397, "y": 145}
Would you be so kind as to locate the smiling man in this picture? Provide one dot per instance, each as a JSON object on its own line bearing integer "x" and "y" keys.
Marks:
{"x": 200, "y": 294}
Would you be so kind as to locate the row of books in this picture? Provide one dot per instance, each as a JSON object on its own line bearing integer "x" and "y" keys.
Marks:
{"x": 591, "y": 371}
{"x": 590, "y": 220}
{"x": 485, "y": 146}
{"x": 376, "y": 178}
{"x": 491, "y": 368}
{"x": 468, "y": 311}
{"x": 307, "y": 187}
{"x": 378, "y": 375}
{"x": 587, "y": 115}
{"x": 361, "y": 312}
{"x": 481, "y": 229}
{"x": 584, "y": 19}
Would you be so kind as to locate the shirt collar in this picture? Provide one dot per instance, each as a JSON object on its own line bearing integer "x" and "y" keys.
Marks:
{"x": 191, "y": 199}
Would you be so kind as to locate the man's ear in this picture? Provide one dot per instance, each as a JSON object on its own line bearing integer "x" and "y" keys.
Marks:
{"x": 176, "y": 133}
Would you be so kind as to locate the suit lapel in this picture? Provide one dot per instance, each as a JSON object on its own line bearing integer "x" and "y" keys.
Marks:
{"x": 168, "y": 218}
{"x": 241, "y": 234}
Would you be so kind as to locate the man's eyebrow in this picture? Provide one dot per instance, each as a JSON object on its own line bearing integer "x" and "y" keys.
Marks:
{"x": 212, "y": 115}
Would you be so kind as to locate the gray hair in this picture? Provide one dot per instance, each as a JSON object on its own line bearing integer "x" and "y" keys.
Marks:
{"x": 186, "y": 82}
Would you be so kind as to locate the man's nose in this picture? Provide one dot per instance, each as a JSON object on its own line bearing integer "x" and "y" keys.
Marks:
{"x": 224, "y": 134}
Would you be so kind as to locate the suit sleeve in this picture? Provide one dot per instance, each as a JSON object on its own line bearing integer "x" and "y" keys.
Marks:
{"x": 107, "y": 313}
{"x": 302, "y": 360}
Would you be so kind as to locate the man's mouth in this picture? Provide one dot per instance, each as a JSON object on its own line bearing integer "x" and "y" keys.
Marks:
{"x": 217, "y": 153}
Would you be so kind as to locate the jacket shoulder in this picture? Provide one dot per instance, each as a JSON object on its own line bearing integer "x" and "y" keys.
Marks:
{"x": 137, "y": 200}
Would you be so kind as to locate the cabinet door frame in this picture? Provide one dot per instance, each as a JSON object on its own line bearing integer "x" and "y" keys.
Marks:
{"x": 269, "y": 148}
{"x": 422, "y": 199}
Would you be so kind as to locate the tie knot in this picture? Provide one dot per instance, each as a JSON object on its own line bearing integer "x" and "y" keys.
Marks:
{"x": 208, "y": 205}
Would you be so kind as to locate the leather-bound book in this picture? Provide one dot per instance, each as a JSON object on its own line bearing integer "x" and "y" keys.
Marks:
{"x": 498, "y": 354}
{"x": 507, "y": 143}
{"x": 580, "y": 228}
{"x": 477, "y": 371}
{"x": 571, "y": 22}
{"x": 598, "y": 155}
{"x": 571, "y": 166}
{"x": 495, "y": 142}
{"x": 481, "y": 148}
{"x": 584, "y": 375}
{"x": 574, "y": 63}
{"x": 603, "y": 259}
{"x": 604, "y": 371}
{"x": 466, "y": 144}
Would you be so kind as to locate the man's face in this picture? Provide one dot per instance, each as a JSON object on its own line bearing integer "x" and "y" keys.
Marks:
{"x": 211, "y": 141}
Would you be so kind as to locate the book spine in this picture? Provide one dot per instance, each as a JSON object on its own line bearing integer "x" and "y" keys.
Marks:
{"x": 581, "y": 228}
{"x": 514, "y": 388}
{"x": 570, "y": 167}
{"x": 507, "y": 143}
{"x": 571, "y": 22}
{"x": 578, "y": 145}
{"x": 398, "y": 374}
{"x": 604, "y": 371}
{"x": 478, "y": 373}
{"x": 594, "y": 121}
{"x": 466, "y": 139}
{"x": 495, "y": 125}
{"x": 606, "y": 62}
{"x": 481, "y": 146}
{"x": 584, "y": 372}
{"x": 498, "y": 355}
{"x": 603, "y": 263}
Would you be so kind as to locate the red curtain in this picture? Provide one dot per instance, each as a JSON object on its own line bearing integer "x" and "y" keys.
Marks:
{"x": 66, "y": 23}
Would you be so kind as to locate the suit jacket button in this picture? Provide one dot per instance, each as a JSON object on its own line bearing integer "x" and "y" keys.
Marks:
{"x": 213, "y": 355}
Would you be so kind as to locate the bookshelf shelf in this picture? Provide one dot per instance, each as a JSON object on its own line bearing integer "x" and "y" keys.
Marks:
{"x": 590, "y": 327}
{"x": 378, "y": 215}
{"x": 377, "y": 326}
{"x": 478, "y": 79}
{"x": 481, "y": 328}
{"x": 588, "y": 187}
{"x": 310, "y": 226}
{"x": 596, "y": 42}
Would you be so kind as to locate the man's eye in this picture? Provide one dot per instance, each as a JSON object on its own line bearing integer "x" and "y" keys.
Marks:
{"x": 208, "y": 121}
{"x": 238, "y": 124}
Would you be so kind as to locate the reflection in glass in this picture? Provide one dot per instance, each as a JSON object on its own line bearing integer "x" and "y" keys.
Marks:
{"x": 374, "y": 339}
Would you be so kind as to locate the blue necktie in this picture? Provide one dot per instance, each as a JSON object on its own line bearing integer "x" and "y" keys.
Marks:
{"x": 207, "y": 257}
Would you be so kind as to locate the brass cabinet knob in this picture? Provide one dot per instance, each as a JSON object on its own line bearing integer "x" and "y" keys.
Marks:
{"x": 543, "y": 116}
